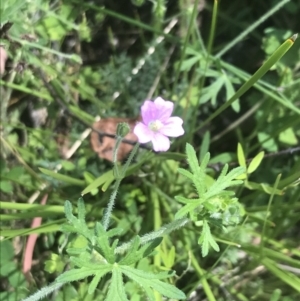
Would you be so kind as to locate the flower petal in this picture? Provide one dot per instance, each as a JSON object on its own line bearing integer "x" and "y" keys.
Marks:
{"x": 172, "y": 127}
{"x": 160, "y": 142}
{"x": 149, "y": 112}
{"x": 143, "y": 133}
{"x": 164, "y": 109}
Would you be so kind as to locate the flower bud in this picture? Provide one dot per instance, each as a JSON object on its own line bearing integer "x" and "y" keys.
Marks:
{"x": 123, "y": 129}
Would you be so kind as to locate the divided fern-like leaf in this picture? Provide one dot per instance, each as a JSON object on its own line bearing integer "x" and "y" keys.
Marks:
{"x": 185, "y": 173}
{"x": 213, "y": 201}
{"x": 103, "y": 244}
{"x": 137, "y": 254}
{"x": 96, "y": 257}
{"x": 149, "y": 280}
{"x": 116, "y": 289}
{"x": 206, "y": 240}
{"x": 78, "y": 274}
{"x": 192, "y": 158}
{"x": 224, "y": 181}
{"x": 78, "y": 225}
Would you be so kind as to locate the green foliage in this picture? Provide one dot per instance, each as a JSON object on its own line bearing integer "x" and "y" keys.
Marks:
{"x": 97, "y": 258}
{"x": 55, "y": 264}
{"x": 254, "y": 164}
{"x": 219, "y": 79}
{"x": 206, "y": 240}
{"x": 80, "y": 60}
{"x": 214, "y": 203}
{"x": 9, "y": 268}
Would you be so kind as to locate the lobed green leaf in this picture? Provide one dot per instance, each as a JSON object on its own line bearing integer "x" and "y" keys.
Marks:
{"x": 146, "y": 280}
{"x": 116, "y": 290}
{"x": 191, "y": 158}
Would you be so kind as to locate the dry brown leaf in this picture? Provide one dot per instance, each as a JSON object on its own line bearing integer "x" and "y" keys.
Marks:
{"x": 104, "y": 146}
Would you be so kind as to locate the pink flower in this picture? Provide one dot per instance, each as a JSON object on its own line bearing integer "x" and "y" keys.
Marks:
{"x": 157, "y": 124}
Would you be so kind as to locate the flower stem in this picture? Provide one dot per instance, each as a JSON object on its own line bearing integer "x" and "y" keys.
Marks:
{"x": 119, "y": 175}
{"x": 164, "y": 230}
{"x": 206, "y": 287}
{"x": 111, "y": 204}
{"x": 115, "y": 157}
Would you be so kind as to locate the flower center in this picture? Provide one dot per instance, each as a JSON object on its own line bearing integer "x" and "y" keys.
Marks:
{"x": 155, "y": 125}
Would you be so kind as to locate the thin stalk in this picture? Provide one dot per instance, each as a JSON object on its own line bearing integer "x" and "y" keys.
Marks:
{"x": 119, "y": 176}
{"x": 186, "y": 41}
{"x": 73, "y": 57}
{"x": 45, "y": 228}
{"x": 209, "y": 294}
{"x": 27, "y": 215}
{"x": 14, "y": 151}
{"x": 42, "y": 293}
{"x": 6, "y": 97}
{"x": 267, "y": 211}
{"x": 35, "y": 207}
{"x": 164, "y": 230}
{"x": 251, "y": 28}
{"x": 238, "y": 122}
{"x": 115, "y": 157}
{"x": 231, "y": 289}
{"x": 276, "y": 56}
{"x": 129, "y": 160}
{"x": 111, "y": 203}
{"x": 25, "y": 90}
{"x": 212, "y": 28}
{"x": 127, "y": 20}
{"x": 263, "y": 87}
{"x": 157, "y": 224}
{"x": 208, "y": 55}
